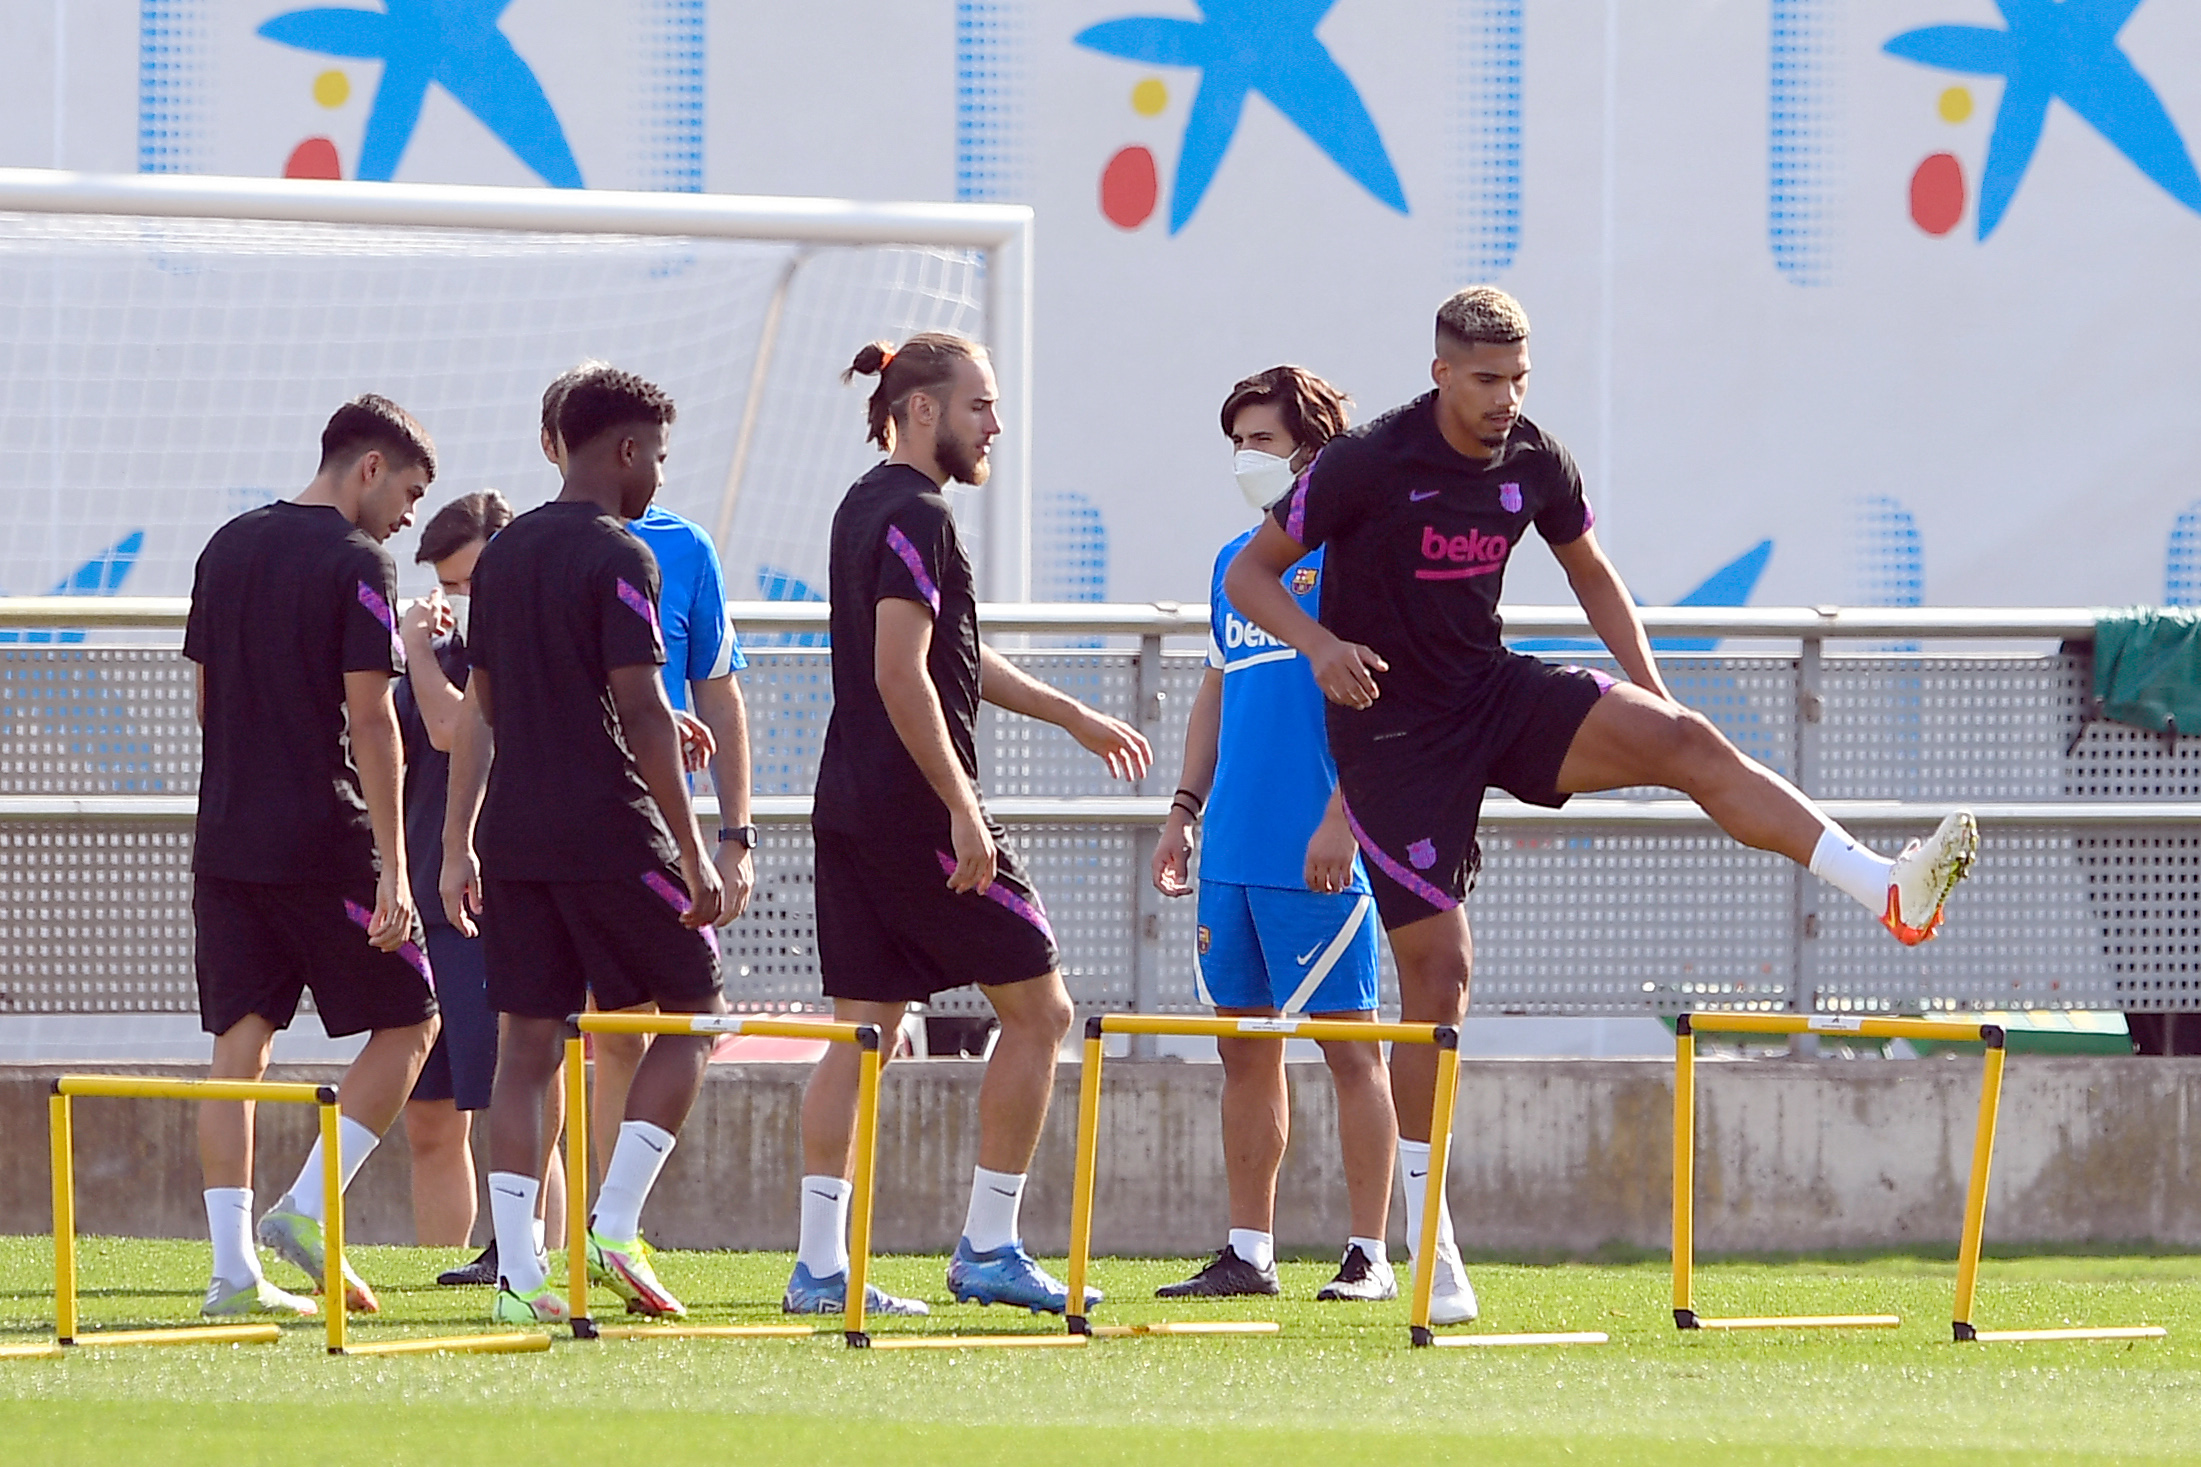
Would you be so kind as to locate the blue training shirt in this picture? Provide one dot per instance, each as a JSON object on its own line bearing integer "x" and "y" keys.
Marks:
{"x": 1273, "y": 772}
{"x": 691, "y": 608}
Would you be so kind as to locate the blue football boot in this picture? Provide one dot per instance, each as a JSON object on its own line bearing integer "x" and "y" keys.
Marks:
{"x": 809, "y": 1294}
{"x": 1008, "y": 1275}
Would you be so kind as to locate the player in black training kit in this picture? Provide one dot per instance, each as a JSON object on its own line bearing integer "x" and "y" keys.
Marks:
{"x": 592, "y": 870}
{"x": 916, "y": 893}
{"x": 298, "y": 870}
{"x": 1420, "y": 511}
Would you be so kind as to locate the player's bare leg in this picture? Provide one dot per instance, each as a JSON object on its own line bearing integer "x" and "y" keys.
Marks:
{"x": 819, "y": 1284}
{"x": 1435, "y": 958}
{"x": 1257, "y": 1122}
{"x": 1632, "y": 737}
{"x": 617, "y": 1057}
{"x": 1367, "y": 1122}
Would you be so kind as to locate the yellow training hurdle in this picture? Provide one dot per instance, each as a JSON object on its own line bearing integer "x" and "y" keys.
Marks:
{"x": 866, "y": 1039}
{"x": 1688, "y": 1026}
{"x": 1445, "y": 1037}
{"x": 61, "y": 1116}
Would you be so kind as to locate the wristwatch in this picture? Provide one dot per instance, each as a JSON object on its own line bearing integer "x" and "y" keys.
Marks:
{"x": 744, "y": 836}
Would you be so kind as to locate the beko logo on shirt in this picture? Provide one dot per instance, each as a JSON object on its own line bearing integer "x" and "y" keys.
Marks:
{"x": 1461, "y": 556}
{"x": 1238, "y": 632}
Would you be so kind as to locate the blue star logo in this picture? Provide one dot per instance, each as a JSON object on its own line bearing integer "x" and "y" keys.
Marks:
{"x": 2058, "y": 50}
{"x": 453, "y": 43}
{"x": 1265, "y": 46}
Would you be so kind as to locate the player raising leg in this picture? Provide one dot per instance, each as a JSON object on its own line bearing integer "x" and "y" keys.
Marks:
{"x": 1287, "y": 925}
{"x": 1419, "y": 512}
{"x": 592, "y": 868}
{"x": 916, "y": 890}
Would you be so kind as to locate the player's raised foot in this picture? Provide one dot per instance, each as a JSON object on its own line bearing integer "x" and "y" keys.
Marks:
{"x": 1008, "y": 1275}
{"x": 624, "y": 1268}
{"x": 545, "y": 1306}
{"x": 481, "y": 1273}
{"x": 225, "y": 1300}
{"x": 1451, "y": 1297}
{"x": 1361, "y": 1278}
{"x": 1227, "y": 1277}
{"x": 809, "y": 1294}
{"x": 1925, "y": 874}
{"x": 296, "y": 1239}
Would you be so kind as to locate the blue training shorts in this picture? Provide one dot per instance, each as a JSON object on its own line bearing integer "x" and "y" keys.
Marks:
{"x": 1300, "y": 952}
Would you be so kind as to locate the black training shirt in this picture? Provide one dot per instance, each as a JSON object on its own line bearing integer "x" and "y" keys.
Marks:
{"x": 562, "y": 596}
{"x": 1416, "y": 538}
{"x": 427, "y": 782}
{"x": 286, "y": 600}
{"x": 894, "y": 539}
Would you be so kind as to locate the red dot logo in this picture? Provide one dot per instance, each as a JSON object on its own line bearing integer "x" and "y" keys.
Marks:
{"x": 1937, "y": 194}
{"x": 313, "y": 158}
{"x": 1129, "y": 187}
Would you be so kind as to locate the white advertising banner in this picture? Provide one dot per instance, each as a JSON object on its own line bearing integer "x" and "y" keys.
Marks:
{"x": 1834, "y": 300}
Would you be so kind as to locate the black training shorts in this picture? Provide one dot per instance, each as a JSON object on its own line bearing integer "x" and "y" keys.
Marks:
{"x": 890, "y": 931}
{"x": 261, "y": 944}
{"x": 551, "y": 944}
{"x": 463, "y": 1063}
{"x": 1413, "y": 794}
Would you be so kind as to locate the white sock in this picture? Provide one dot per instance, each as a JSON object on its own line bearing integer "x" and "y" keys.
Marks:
{"x": 1258, "y": 1249}
{"x": 996, "y": 1198}
{"x": 635, "y": 1162}
{"x": 1413, "y": 1171}
{"x": 823, "y": 1245}
{"x": 355, "y": 1142}
{"x": 512, "y": 1214}
{"x": 1373, "y": 1247}
{"x": 1853, "y": 868}
{"x": 539, "y": 1234}
{"x": 229, "y": 1224}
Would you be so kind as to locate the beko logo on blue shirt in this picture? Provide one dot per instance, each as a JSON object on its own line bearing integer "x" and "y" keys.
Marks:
{"x": 1238, "y": 632}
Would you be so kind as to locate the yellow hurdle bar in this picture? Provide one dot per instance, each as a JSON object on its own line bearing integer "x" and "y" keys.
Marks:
{"x": 576, "y": 1067}
{"x": 2113, "y": 1332}
{"x": 334, "y": 1302}
{"x": 198, "y": 1334}
{"x": 708, "y": 1332}
{"x": 1806, "y": 1321}
{"x": 522, "y": 1342}
{"x": 1686, "y": 1028}
{"x": 866, "y": 1038}
{"x": 1086, "y": 1161}
{"x": 1196, "y": 1327}
{"x": 973, "y": 1342}
{"x": 1564, "y": 1337}
{"x": 1975, "y": 1196}
{"x": 41, "y": 1351}
{"x": 61, "y": 1139}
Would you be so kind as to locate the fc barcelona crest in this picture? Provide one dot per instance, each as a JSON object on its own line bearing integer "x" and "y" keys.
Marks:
{"x": 1303, "y": 580}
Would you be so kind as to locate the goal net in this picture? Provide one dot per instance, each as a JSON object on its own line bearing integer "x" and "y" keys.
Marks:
{"x": 160, "y": 373}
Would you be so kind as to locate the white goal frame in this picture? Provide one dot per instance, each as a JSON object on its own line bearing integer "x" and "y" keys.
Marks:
{"x": 1001, "y": 233}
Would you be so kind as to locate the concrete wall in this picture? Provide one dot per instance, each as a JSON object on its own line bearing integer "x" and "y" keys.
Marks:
{"x": 1552, "y": 1157}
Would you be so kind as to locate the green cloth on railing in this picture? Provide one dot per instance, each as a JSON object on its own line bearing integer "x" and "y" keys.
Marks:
{"x": 2147, "y": 667}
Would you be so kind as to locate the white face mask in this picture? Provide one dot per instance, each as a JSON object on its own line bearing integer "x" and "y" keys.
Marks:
{"x": 458, "y": 605}
{"x": 1262, "y": 477}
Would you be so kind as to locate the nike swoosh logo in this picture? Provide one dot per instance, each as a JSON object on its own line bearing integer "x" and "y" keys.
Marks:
{"x": 999, "y": 1191}
{"x": 652, "y": 1145}
{"x": 1418, "y": 495}
{"x": 506, "y": 1192}
{"x": 1415, "y": 1176}
{"x": 1308, "y": 956}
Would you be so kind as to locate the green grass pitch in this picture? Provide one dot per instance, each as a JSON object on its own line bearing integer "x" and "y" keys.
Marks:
{"x": 1339, "y": 1384}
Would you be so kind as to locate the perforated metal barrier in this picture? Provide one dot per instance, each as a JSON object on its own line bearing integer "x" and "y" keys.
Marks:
{"x": 2088, "y": 894}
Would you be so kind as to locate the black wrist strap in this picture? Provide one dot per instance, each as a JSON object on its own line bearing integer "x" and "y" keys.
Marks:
{"x": 1198, "y": 804}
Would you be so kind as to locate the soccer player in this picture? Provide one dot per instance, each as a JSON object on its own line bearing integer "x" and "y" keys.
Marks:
{"x": 455, "y": 1081}
{"x": 702, "y": 654}
{"x": 299, "y": 877}
{"x": 916, "y": 890}
{"x": 1419, "y": 511}
{"x": 1287, "y": 925}
{"x": 591, "y": 868}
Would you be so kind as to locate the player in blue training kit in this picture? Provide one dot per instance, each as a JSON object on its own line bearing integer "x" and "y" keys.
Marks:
{"x": 1287, "y": 923}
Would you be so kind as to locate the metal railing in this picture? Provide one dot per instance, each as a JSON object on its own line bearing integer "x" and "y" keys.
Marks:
{"x": 1621, "y": 903}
